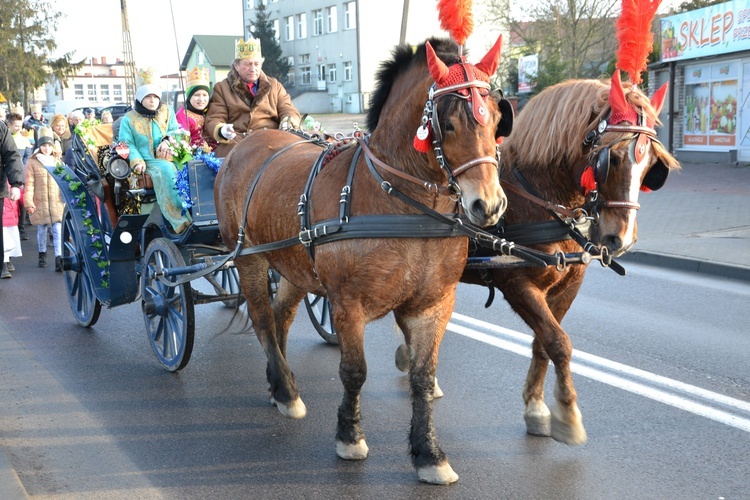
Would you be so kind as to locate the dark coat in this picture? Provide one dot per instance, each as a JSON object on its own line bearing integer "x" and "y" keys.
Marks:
{"x": 11, "y": 169}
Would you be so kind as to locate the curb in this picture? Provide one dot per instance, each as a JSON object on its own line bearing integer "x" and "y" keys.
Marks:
{"x": 11, "y": 487}
{"x": 681, "y": 263}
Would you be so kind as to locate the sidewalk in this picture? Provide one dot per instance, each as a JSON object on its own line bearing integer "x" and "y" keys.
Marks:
{"x": 699, "y": 221}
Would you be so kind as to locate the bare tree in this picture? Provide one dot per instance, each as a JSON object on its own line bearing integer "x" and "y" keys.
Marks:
{"x": 574, "y": 38}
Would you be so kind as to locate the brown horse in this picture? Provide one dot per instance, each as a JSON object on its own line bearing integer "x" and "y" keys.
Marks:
{"x": 262, "y": 186}
{"x": 582, "y": 148}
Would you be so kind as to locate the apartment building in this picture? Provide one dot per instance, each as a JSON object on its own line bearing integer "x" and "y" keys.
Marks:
{"x": 334, "y": 47}
{"x": 101, "y": 82}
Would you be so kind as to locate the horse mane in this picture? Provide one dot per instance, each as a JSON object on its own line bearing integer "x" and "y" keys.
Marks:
{"x": 404, "y": 57}
{"x": 548, "y": 133}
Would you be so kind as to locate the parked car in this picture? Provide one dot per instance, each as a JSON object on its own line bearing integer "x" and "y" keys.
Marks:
{"x": 62, "y": 107}
{"x": 117, "y": 110}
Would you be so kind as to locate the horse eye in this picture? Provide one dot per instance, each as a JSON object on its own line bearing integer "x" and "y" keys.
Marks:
{"x": 614, "y": 161}
{"x": 449, "y": 126}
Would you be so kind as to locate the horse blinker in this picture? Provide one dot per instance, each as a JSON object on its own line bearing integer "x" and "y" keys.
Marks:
{"x": 655, "y": 177}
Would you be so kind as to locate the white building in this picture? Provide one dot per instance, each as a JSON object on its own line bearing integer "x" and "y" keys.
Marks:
{"x": 334, "y": 47}
{"x": 99, "y": 82}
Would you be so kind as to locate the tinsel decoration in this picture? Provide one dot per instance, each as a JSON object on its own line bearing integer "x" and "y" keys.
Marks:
{"x": 456, "y": 18}
{"x": 634, "y": 36}
{"x": 182, "y": 181}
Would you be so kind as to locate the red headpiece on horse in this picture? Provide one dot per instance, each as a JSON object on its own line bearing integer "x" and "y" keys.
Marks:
{"x": 462, "y": 78}
{"x": 635, "y": 44}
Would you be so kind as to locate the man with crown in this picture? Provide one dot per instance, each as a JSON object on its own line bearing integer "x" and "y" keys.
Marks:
{"x": 247, "y": 100}
{"x": 192, "y": 115}
{"x": 146, "y": 130}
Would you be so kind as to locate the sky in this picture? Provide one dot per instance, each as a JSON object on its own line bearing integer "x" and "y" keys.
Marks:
{"x": 93, "y": 28}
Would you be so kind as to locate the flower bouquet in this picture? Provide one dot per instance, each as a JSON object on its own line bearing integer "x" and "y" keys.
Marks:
{"x": 179, "y": 149}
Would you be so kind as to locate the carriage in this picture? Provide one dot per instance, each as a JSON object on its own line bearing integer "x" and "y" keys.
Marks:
{"x": 373, "y": 238}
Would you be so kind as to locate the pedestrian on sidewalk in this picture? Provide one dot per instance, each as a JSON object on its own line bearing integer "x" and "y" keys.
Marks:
{"x": 11, "y": 235}
{"x": 11, "y": 171}
{"x": 43, "y": 199}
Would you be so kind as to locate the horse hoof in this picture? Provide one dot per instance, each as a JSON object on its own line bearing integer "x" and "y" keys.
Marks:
{"x": 538, "y": 419}
{"x": 403, "y": 357}
{"x": 437, "y": 392}
{"x": 571, "y": 433}
{"x": 352, "y": 451}
{"x": 295, "y": 409}
{"x": 437, "y": 474}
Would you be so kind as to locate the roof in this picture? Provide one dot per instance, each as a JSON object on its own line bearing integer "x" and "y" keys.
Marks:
{"x": 218, "y": 49}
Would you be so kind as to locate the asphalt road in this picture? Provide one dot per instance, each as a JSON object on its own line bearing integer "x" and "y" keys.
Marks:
{"x": 661, "y": 372}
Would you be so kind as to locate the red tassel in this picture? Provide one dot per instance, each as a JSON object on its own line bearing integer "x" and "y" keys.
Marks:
{"x": 588, "y": 183}
{"x": 645, "y": 189}
{"x": 423, "y": 145}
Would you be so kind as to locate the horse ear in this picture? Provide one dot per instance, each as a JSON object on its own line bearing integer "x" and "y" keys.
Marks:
{"x": 438, "y": 70}
{"x": 490, "y": 61}
{"x": 617, "y": 100}
{"x": 657, "y": 100}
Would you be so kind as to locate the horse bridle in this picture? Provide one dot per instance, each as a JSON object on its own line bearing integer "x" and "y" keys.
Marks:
{"x": 639, "y": 139}
{"x": 430, "y": 115}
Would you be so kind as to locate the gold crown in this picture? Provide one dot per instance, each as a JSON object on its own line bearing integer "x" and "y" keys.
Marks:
{"x": 197, "y": 76}
{"x": 146, "y": 76}
{"x": 247, "y": 50}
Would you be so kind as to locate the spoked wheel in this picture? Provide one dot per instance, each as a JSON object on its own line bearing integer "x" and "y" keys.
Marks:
{"x": 167, "y": 310}
{"x": 227, "y": 281}
{"x": 319, "y": 310}
{"x": 83, "y": 302}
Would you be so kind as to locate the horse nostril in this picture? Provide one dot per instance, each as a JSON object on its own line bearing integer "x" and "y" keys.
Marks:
{"x": 612, "y": 242}
{"x": 479, "y": 209}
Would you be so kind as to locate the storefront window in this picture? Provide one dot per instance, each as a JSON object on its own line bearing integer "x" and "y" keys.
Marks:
{"x": 711, "y": 105}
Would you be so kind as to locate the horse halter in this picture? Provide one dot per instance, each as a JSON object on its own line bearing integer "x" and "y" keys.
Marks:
{"x": 430, "y": 115}
{"x": 595, "y": 175}
{"x": 464, "y": 81}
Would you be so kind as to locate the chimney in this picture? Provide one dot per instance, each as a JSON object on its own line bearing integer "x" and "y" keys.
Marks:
{"x": 104, "y": 60}
{"x": 112, "y": 72}
{"x": 94, "y": 61}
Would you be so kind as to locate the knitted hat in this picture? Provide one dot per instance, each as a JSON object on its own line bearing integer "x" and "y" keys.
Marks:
{"x": 45, "y": 137}
{"x": 146, "y": 78}
{"x": 197, "y": 79}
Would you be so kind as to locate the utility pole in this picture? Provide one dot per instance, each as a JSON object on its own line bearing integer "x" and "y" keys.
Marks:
{"x": 127, "y": 50}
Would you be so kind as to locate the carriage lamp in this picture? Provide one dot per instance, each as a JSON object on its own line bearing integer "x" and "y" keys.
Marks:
{"x": 118, "y": 167}
{"x": 126, "y": 237}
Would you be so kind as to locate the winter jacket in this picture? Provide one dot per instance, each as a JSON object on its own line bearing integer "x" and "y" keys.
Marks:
{"x": 11, "y": 169}
{"x": 11, "y": 210}
{"x": 233, "y": 103}
{"x": 42, "y": 194}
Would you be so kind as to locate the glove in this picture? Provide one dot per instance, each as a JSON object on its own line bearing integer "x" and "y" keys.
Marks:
{"x": 15, "y": 194}
{"x": 227, "y": 131}
{"x": 288, "y": 123}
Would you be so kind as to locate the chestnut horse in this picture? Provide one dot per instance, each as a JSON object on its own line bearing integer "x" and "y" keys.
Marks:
{"x": 581, "y": 148}
{"x": 266, "y": 185}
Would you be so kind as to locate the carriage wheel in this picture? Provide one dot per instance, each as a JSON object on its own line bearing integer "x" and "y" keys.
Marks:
{"x": 227, "y": 281}
{"x": 83, "y": 302}
{"x": 319, "y": 309}
{"x": 167, "y": 311}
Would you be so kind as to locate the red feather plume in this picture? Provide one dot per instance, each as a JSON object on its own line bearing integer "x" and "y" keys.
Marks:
{"x": 456, "y": 18}
{"x": 635, "y": 37}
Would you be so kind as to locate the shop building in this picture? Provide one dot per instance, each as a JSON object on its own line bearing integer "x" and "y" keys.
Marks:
{"x": 705, "y": 57}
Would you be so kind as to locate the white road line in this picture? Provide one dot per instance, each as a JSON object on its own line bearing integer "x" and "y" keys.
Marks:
{"x": 614, "y": 380}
